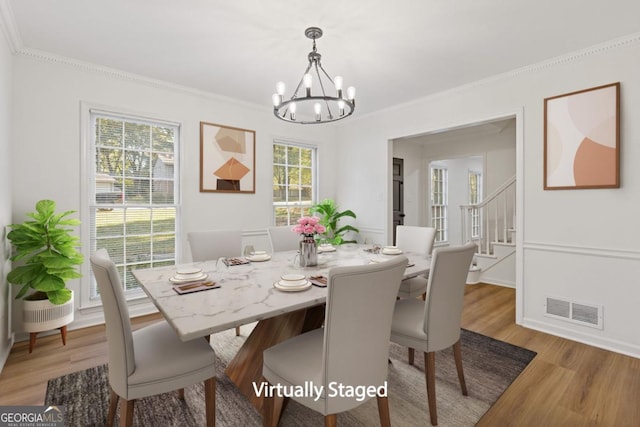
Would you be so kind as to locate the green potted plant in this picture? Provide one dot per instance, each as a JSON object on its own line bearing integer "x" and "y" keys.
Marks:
{"x": 48, "y": 258}
{"x": 330, "y": 215}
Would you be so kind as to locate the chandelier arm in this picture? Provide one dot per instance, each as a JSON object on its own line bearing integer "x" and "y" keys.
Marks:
{"x": 324, "y": 94}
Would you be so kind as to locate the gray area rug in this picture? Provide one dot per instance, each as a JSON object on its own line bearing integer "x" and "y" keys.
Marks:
{"x": 490, "y": 366}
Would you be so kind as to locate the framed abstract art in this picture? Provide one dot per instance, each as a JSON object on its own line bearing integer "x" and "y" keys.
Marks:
{"x": 227, "y": 159}
{"x": 582, "y": 139}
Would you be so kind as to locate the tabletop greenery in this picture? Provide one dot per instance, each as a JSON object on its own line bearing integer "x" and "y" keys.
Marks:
{"x": 48, "y": 254}
{"x": 330, "y": 215}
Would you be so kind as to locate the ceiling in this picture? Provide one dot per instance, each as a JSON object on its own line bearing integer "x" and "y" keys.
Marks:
{"x": 391, "y": 51}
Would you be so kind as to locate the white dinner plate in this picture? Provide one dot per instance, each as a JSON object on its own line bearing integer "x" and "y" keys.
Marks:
{"x": 305, "y": 286}
{"x": 202, "y": 276}
{"x": 391, "y": 251}
{"x": 292, "y": 277}
{"x": 292, "y": 283}
{"x": 327, "y": 248}
{"x": 188, "y": 271}
{"x": 259, "y": 258}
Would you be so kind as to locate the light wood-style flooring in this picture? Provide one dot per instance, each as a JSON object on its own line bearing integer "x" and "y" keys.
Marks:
{"x": 567, "y": 384}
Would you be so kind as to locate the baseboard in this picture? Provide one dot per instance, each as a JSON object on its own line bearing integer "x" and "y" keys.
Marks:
{"x": 497, "y": 282}
{"x": 584, "y": 338}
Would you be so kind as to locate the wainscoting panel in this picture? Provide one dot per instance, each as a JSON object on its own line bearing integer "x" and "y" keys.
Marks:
{"x": 608, "y": 279}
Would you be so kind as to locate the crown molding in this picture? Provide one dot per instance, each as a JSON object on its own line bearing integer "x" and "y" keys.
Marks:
{"x": 9, "y": 27}
{"x": 618, "y": 43}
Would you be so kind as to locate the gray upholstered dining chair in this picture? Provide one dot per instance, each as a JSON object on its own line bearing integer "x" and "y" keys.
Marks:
{"x": 419, "y": 240}
{"x": 434, "y": 324}
{"x": 214, "y": 244}
{"x": 351, "y": 349}
{"x": 283, "y": 239}
{"x": 151, "y": 360}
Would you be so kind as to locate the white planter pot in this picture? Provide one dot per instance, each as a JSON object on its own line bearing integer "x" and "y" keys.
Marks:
{"x": 39, "y": 316}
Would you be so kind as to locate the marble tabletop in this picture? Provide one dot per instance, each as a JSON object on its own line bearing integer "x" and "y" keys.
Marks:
{"x": 247, "y": 293}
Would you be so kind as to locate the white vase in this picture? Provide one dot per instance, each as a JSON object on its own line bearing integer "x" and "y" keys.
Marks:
{"x": 42, "y": 315}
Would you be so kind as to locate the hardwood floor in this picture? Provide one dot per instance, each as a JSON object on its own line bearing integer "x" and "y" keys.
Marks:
{"x": 567, "y": 384}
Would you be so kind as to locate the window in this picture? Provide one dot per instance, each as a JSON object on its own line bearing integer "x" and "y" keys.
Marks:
{"x": 475, "y": 197}
{"x": 439, "y": 200}
{"x": 133, "y": 200}
{"x": 294, "y": 181}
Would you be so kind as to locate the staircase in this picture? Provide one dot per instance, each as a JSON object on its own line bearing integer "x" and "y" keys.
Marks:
{"x": 491, "y": 225}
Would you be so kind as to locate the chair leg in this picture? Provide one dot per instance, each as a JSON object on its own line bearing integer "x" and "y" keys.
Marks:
{"x": 210, "y": 401}
{"x": 181, "y": 394}
{"x": 424, "y": 296}
{"x": 412, "y": 353}
{"x": 330, "y": 420}
{"x": 383, "y": 411}
{"x": 430, "y": 374}
{"x": 126, "y": 412}
{"x": 237, "y": 331}
{"x": 113, "y": 406}
{"x": 457, "y": 354}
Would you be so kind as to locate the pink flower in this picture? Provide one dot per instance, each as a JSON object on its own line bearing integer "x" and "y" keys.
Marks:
{"x": 308, "y": 225}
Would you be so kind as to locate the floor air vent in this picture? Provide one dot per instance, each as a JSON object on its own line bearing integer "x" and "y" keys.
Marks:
{"x": 583, "y": 314}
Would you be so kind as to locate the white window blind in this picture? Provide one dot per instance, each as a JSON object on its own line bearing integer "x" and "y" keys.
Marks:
{"x": 133, "y": 200}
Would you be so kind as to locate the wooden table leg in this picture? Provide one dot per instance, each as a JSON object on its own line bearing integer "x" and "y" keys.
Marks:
{"x": 246, "y": 366}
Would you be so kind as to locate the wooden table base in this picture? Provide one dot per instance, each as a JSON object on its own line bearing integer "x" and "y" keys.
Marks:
{"x": 246, "y": 366}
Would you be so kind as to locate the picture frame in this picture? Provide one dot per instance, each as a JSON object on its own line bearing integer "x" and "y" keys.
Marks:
{"x": 227, "y": 159}
{"x": 582, "y": 139}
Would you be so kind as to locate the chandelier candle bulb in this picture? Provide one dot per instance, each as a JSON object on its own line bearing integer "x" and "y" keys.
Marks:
{"x": 280, "y": 87}
{"x": 277, "y": 99}
{"x": 341, "y": 107}
{"x": 292, "y": 110}
{"x": 337, "y": 81}
{"x": 351, "y": 93}
{"x": 318, "y": 109}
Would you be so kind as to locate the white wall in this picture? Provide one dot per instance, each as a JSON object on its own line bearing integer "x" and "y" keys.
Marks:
{"x": 565, "y": 246}
{"x": 6, "y": 77}
{"x": 47, "y": 148}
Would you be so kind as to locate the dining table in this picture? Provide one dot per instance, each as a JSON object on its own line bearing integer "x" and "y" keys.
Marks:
{"x": 247, "y": 293}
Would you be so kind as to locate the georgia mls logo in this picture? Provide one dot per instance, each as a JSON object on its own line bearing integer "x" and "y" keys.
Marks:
{"x": 31, "y": 416}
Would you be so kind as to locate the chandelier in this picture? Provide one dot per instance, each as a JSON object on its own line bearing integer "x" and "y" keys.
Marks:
{"x": 306, "y": 108}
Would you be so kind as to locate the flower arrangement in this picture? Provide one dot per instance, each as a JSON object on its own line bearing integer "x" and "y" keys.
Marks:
{"x": 308, "y": 226}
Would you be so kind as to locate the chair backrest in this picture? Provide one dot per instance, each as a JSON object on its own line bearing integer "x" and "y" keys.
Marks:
{"x": 445, "y": 294}
{"x": 415, "y": 239}
{"x": 116, "y": 315}
{"x": 283, "y": 239}
{"x": 359, "y": 310}
{"x": 211, "y": 245}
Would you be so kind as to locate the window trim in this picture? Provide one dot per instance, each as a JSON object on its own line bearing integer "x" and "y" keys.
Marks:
{"x": 314, "y": 172}
{"x": 87, "y": 175}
